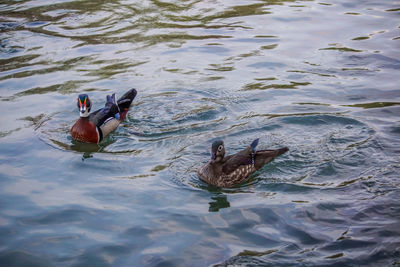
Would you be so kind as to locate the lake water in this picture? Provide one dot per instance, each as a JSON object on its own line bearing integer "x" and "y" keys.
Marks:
{"x": 319, "y": 77}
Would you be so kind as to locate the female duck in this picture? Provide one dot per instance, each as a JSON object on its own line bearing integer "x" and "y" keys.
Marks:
{"x": 94, "y": 127}
{"x": 234, "y": 169}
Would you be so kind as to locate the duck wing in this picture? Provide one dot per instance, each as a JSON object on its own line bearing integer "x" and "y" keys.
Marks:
{"x": 244, "y": 157}
{"x": 110, "y": 110}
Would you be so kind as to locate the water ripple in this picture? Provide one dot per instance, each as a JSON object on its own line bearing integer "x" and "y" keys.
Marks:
{"x": 204, "y": 70}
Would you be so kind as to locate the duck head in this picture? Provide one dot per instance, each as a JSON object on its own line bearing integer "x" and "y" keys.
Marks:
{"x": 217, "y": 151}
{"x": 84, "y": 105}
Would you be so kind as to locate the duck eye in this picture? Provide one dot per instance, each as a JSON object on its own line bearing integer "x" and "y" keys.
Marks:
{"x": 220, "y": 148}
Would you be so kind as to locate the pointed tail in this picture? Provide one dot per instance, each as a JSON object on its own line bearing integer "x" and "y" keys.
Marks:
{"x": 262, "y": 157}
{"x": 125, "y": 101}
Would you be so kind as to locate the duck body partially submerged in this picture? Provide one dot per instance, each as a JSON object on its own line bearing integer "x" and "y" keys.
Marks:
{"x": 94, "y": 127}
{"x": 235, "y": 169}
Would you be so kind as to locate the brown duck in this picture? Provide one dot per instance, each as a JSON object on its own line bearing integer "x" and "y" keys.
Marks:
{"x": 234, "y": 169}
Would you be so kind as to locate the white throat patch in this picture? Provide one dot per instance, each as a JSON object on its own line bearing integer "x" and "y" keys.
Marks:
{"x": 84, "y": 114}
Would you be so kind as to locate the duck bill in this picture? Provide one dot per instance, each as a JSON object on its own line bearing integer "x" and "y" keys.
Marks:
{"x": 213, "y": 156}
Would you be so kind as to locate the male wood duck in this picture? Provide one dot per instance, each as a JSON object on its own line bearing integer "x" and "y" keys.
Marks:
{"x": 94, "y": 127}
{"x": 234, "y": 169}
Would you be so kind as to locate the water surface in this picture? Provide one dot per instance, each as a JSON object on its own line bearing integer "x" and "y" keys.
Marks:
{"x": 318, "y": 77}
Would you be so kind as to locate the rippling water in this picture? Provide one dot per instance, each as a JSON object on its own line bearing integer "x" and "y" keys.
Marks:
{"x": 318, "y": 77}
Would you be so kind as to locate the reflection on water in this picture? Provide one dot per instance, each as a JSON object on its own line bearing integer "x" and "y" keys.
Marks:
{"x": 205, "y": 70}
{"x": 218, "y": 202}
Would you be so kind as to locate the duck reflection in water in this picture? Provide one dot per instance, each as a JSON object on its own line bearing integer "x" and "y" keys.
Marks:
{"x": 88, "y": 149}
{"x": 219, "y": 201}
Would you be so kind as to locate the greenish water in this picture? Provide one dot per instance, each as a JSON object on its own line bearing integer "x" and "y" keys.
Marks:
{"x": 318, "y": 77}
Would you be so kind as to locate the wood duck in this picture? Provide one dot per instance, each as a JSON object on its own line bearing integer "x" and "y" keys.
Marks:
{"x": 94, "y": 127}
{"x": 234, "y": 169}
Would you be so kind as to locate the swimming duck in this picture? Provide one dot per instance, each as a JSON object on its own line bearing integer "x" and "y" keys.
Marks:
{"x": 234, "y": 169}
{"x": 94, "y": 127}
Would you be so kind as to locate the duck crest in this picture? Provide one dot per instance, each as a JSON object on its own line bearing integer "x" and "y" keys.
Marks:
{"x": 235, "y": 169}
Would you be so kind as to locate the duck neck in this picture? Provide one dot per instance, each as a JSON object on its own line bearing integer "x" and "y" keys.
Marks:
{"x": 84, "y": 115}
